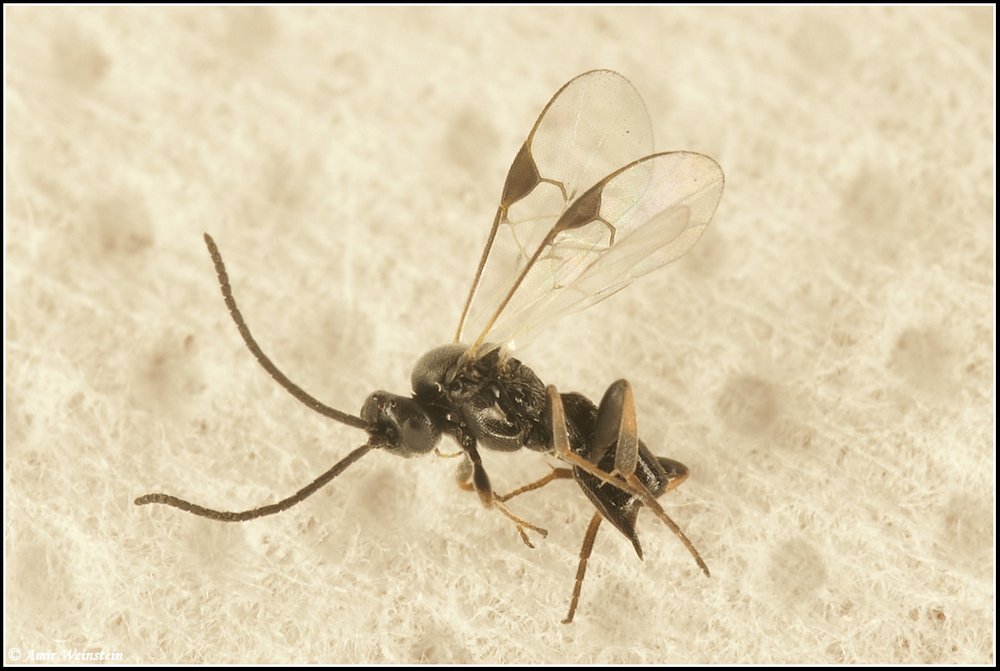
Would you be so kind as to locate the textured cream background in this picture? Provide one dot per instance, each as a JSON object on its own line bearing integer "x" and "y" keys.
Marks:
{"x": 823, "y": 360}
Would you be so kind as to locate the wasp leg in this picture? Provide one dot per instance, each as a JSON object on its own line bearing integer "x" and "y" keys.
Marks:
{"x": 628, "y": 483}
{"x": 480, "y": 480}
{"x": 465, "y": 476}
{"x": 616, "y": 425}
{"x": 556, "y": 474}
{"x": 522, "y": 525}
{"x": 675, "y": 471}
{"x": 581, "y": 569}
{"x": 448, "y": 455}
{"x": 562, "y": 449}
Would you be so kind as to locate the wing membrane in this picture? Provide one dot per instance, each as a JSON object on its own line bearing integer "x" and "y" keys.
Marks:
{"x": 594, "y": 124}
{"x": 633, "y": 221}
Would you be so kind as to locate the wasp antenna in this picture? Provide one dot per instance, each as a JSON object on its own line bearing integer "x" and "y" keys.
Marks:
{"x": 262, "y": 359}
{"x": 284, "y": 504}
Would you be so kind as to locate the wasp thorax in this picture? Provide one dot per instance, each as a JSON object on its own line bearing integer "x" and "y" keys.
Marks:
{"x": 435, "y": 370}
{"x": 399, "y": 424}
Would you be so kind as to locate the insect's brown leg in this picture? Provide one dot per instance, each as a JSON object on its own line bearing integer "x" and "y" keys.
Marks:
{"x": 522, "y": 525}
{"x": 675, "y": 471}
{"x": 658, "y": 510}
{"x": 561, "y": 445}
{"x": 630, "y": 484}
{"x": 480, "y": 480}
{"x": 464, "y": 476}
{"x": 581, "y": 569}
{"x": 616, "y": 425}
{"x": 448, "y": 455}
{"x": 555, "y": 474}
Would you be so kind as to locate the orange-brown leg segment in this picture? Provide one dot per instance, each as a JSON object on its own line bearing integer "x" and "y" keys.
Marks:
{"x": 464, "y": 478}
{"x": 676, "y": 473}
{"x": 616, "y": 425}
{"x": 521, "y": 524}
{"x": 448, "y": 455}
{"x": 556, "y": 474}
{"x": 627, "y": 482}
{"x": 581, "y": 569}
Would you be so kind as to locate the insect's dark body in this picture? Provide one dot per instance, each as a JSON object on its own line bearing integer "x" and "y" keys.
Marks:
{"x": 499, "y": 403}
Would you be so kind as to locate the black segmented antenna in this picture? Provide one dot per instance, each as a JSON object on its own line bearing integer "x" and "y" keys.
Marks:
{"x": 271, "y": 509}
{"x": 296, "y": 391}
{"x": 279, "y": 377}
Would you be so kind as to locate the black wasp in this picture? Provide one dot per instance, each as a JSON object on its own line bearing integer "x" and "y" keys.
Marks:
{"x": 586, "y": 208}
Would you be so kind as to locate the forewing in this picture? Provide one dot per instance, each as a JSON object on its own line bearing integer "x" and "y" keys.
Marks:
{"x": 633, "y": 221}
{"x": 593, "y": 125}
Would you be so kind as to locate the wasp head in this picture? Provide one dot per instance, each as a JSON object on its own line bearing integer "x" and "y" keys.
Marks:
{"x": 399, "y": 424}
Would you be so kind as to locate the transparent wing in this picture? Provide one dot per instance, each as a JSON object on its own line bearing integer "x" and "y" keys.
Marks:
{"x": 593, "y": 125}
{"x": 636, "y": 219}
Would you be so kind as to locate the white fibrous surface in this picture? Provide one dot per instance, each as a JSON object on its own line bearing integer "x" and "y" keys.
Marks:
{"x": 823, "y": 360}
